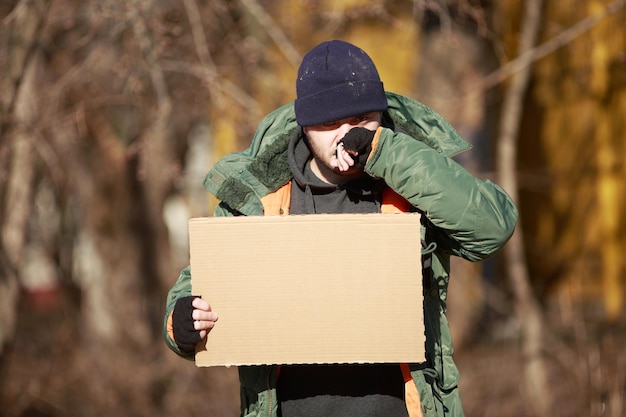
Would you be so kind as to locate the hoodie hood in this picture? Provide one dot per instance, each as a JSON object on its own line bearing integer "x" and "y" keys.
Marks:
{"x": 312, "y": 195}
{"x": 299, "y": 156}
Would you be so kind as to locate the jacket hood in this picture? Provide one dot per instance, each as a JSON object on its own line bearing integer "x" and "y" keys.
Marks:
{"x": 240, "y": 179}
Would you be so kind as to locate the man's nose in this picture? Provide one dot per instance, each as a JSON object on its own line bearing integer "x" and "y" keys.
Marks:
{"x": 343, "y": 129}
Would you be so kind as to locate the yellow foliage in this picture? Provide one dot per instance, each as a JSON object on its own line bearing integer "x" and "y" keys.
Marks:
{"x": 582, "y": 136}
{"x": 343, "y": 6}
{"x": 392, "y": 42}
{"x": 395, "y": 51}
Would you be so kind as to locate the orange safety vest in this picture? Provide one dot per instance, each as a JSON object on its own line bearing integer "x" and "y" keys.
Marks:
{"x": 277, "y": 203}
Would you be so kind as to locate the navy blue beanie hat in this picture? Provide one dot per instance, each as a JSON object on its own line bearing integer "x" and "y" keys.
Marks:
{"x": 337, "y": 80}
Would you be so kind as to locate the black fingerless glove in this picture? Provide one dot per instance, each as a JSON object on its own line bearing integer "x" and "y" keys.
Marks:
{"x": 185, "y": 335}
{"x": 359, "y": 140}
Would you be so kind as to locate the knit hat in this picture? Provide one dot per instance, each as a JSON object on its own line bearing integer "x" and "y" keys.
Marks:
{"x": 337, "y": 80}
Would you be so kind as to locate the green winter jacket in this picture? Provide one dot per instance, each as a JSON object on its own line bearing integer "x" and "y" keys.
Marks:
{"x": 466, "y": 217}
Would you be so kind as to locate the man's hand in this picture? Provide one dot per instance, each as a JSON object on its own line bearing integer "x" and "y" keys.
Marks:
{"x": 357, "y": 143}
{"x": 192, "y": 319}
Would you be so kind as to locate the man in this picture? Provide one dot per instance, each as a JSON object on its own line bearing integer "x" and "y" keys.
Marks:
{"x": 347, "y": 146}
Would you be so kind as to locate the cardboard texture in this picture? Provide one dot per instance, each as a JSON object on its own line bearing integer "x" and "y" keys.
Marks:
{"x": 340, "y": 288}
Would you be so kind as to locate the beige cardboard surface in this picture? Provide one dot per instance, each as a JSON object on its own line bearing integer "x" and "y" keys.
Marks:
{"x": 342, "y": 288}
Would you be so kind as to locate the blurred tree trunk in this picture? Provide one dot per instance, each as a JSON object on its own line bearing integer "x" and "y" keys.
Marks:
{"x": 527, "y": 309}
{"x": 19, "y": 84}
{"x": 19, "y": 188}
{"x": 23, "y": 29}
{"x": 155, "y": 168}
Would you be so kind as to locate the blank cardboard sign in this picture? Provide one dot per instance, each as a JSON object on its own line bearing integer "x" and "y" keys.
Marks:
{"x": 337, "y": 288}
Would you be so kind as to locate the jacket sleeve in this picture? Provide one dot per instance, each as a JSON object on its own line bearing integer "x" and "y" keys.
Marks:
{"x": 180, "y": 289}
{"x": 473, "y": 217}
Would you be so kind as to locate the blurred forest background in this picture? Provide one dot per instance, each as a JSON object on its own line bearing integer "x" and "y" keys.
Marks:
{"x": 111, "y": 112}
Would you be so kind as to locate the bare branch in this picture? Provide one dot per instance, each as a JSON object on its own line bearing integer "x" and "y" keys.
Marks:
{"x": 532, "y": 55}
{"x": 150, "y": 56}
{"x": 204, "y": 73}
{"x": 273, "y": 30}
{"x": 19, "y": 8}
{"x": 202, "y": 49}
{"x": 207, "y": 70}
